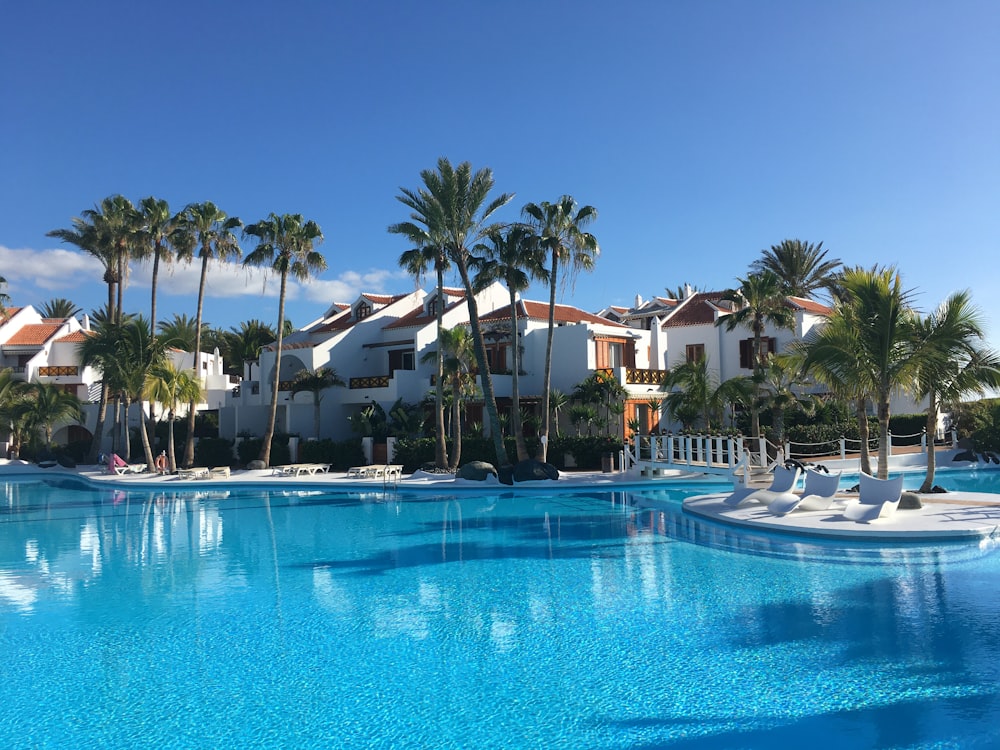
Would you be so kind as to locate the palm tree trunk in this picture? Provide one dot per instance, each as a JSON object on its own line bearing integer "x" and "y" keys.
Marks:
{"x": 515, "y": 416}
{"x": 930, "y": 430}
{"x": 265, "y": 448}
{"x": 441, "y": 444}
{"x": 126, "y": 437}
{"x": 484, "y": 370}
{"x": 192, "y": 406}
{"x": 456, "y": 419}
{"x": 145, "y": 439}
{"x": 316, "y": 414}
{"x": 170, "y": 440}
{"x": 863, "y": 436}
{"x": 102, "y": 411}
{"x": 543, "y": 438}
{"x": 883, "y": 434}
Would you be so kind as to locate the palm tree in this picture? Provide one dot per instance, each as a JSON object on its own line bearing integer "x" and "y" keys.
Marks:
{"x": 162, "y": 236}
{"x": 457, "y": 355}
{"x": 182, "y": 331}
{"x": 285, "y": 245}
{"x": 951, "y": 362}
{"x": 58, "y": 307}
{"x": 557, "y": 402}
{"x": 802, "y": 267}
{"x": 451, "y": 212}
{"x": 117, "y": 225}
{"x": 781, "y": 392}
{"x": 139, "y": 354}
{"x": 699, "y": 394}
{"x": 245, "y": 344}
{"x": 560, "y": 230}
{"x": 171, "y": 387}
{"x": 4, "y": 297}
{"x": 315, "y": 383}
{"x": 760, "y": 300}
{"x": 871, "y": 342}
{"x": 514, "y": 258}
{"x": 51, "y": 404}
{"x": 211, "y": 230}
{"x": 416, "y": 262}
{"x": 14, "y": 410}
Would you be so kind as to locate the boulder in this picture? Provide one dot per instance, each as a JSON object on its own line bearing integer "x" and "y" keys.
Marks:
{"x": 533, "y": 469}
{"x": 256, "y": 464}
{"x": 476, "y": 470}
{"x": 965, "y": 456}
{"x": 910, "y": 501}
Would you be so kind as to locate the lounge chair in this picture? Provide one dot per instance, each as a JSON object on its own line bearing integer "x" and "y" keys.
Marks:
{"x": 218, "y": 472}
{"x": 195, "y": 472}
{"x": 783, "y": 481}
{"x": 818, "y": 493}
{"x": 877, "y": 499}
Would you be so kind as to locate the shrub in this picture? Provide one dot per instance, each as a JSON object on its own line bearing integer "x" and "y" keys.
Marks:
{"x": 249, "y": 449}
{"x": 214, "y": 452}
{"x": 340, "y": 455}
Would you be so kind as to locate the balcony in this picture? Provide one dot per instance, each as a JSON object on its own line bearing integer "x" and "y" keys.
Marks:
{"x": 369, "y": 381}
{"x": 58, "y": 370}
{"x": 635, "y": 376}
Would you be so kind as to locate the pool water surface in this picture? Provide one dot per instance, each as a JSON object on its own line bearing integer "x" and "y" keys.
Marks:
{"x": 247, "y": 617}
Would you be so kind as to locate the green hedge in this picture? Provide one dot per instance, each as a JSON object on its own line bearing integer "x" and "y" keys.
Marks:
{"x": 214, "y": 452}
{"x": 249, "y": 450}
{"x": 413, "y": 453}
{"x": 340, "y": 455}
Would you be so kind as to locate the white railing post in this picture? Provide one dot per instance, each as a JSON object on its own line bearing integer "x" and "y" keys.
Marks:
{"x": 788, "y": 448}
{"x": 843, "y": 448}
{"x": 688, "y": 446}
{"x": 670, "y": 448}
{"x": 954, "y": 438}
{"x": 707, "y": 447}
{"x": 762, "y": 455}
{"x": 923, "y": 441}
{"x": 889, "y": 440}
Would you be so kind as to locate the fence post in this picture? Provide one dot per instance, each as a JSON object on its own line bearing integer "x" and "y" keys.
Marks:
{"x": 708, "y": 450}
{"x": 670, "y": 448}
{"x": 788, "y": 448}
{"x": 889, "y": 447}
{"x": 954, "y": 438}
{"x": 923, "y": 441}
{"x": 762, "y": 447}
{"x": 843, "y": 448}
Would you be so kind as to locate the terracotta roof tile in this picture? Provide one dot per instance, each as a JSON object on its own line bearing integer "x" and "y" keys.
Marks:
{"x": 698, "y": 310}
{"x": 34, "y": 334}
{"x": 419, "y": 317}
{"x": 810, "y": 305}
{"x": 540, "y": 311}
{"x": 74, "y": 338}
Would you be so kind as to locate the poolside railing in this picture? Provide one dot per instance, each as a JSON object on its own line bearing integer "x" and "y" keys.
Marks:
{"x": 722, "y": 454}
{"x": 844, "y": 446}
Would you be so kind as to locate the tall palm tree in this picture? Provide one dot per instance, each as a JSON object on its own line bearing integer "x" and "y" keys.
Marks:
{"x": 58, "y": 307}
{"x": 875, "y": 321}
{"x": 139, "y": 354}
{"x": 801, "y": 266}
{"x": 162, "y": 236}
{"x": 286, "y": 245}
{"x": 51, "y": 404}
{"x": 560, "y": 228}
{"x": 451, "y": 212}
{"x": 416, "y": 261}
{"x": 760, "y": 301}
{"x": 182, "y": 331}
{"x": 212, "y": 231}
{"x": 14, "y": 409}
{"x": 951, "y": 362}
{"x": 315, "y": 383}
{"x": 514, "y": 258}
{"x": 695, "y": 392}
{"x": 170, "y": 387}
{"x": 117, "y": 223}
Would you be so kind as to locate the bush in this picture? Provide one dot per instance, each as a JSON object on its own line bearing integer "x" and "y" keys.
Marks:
{"x": 214, "y": 452}
{"x": 340, "y": 455}
{"x": 249, "y": 450}
{"x": 907, "y": 424}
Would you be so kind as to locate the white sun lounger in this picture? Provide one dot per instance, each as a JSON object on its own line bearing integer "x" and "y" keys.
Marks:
{"x": 819, "y": 493}
{"x": 195, "y": 472}
{"x": 877, "y": 499}
{"x": 784, "y": 480}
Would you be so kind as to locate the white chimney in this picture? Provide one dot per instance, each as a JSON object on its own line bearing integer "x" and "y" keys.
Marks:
{"x": 638, "y": 300}
{"x": 86, "y": 322}
{"x": 688, "y": 291}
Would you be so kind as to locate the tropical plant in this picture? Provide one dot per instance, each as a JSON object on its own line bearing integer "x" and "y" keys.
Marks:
{"x": 416, "y": 262}
{"x": 514, "y": 258}
{"x": 694, "y": 393}
{"x": 50, "y": 404}
{"x": 285, "y": 245}
{"x": 14, "y": 409}
{"x": 557, "y": 402}
{"x": 801, "y": 267}
{"x": 162, "y": 236}
{"x": 781, "y": 392}
{"x": 560, "y": 229}
{"x": 451, "y": 212}
{"x": 170, "y": 387}
{"x": 760, "y": 301}
{"x": 868, "y": 341}
{"x": 951, "y": 362}
{"x": 602, "y": 390}
{"x": 244, "y": 345}
{"x": 58, "y": 307}
{"x": 209, "y": 229}
{"x": 315, "y": 383}
{"x": 458, "y": 357}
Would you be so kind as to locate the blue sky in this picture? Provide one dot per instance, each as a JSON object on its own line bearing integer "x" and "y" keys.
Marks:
{"x": 702, "y": 132}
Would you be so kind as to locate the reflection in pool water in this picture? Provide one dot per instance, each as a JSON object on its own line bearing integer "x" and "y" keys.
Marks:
{"x": 254, "y": 618}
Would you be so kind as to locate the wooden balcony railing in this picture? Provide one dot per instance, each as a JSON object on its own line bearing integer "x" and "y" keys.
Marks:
{"x": 635, "y": 376}
{"x": 57, "y": 370}
{"x": 370, "y": 381}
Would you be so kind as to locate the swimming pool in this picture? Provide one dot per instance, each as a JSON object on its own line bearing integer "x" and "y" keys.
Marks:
{"x": 247, "y": 617}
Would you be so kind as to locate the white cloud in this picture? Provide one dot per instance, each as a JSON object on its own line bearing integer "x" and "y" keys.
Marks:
{"x": 52, "y": 270}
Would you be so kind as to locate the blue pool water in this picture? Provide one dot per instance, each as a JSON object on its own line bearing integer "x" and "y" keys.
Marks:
{"x": 255, "y": 618}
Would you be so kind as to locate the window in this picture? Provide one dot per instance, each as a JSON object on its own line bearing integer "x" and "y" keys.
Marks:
{"x": 362, "y": 311}
{"x": 615, "y": 353}
{"x": 432, "y": 306}
{"x": 496, "y": 358}
{"x": 694, "y": 352}
{"x": 401, "y": 359}
{"x": 768, "y": 346}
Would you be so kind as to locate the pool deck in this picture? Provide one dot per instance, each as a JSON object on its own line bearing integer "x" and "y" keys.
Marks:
{"x": 944, "y": 516}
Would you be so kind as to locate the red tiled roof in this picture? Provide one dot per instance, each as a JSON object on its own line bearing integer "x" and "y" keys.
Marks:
{"x": 540, "y": 311}
{"x": 810, "y": 305}
{"x": 34, "y": 334}
{"x": 697, "y": 310}
{"x": 383, "y": 299}
{"x": 74, "y": 338}
{"x": 419, "y": 316}
{"x": 9, "y": 312}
